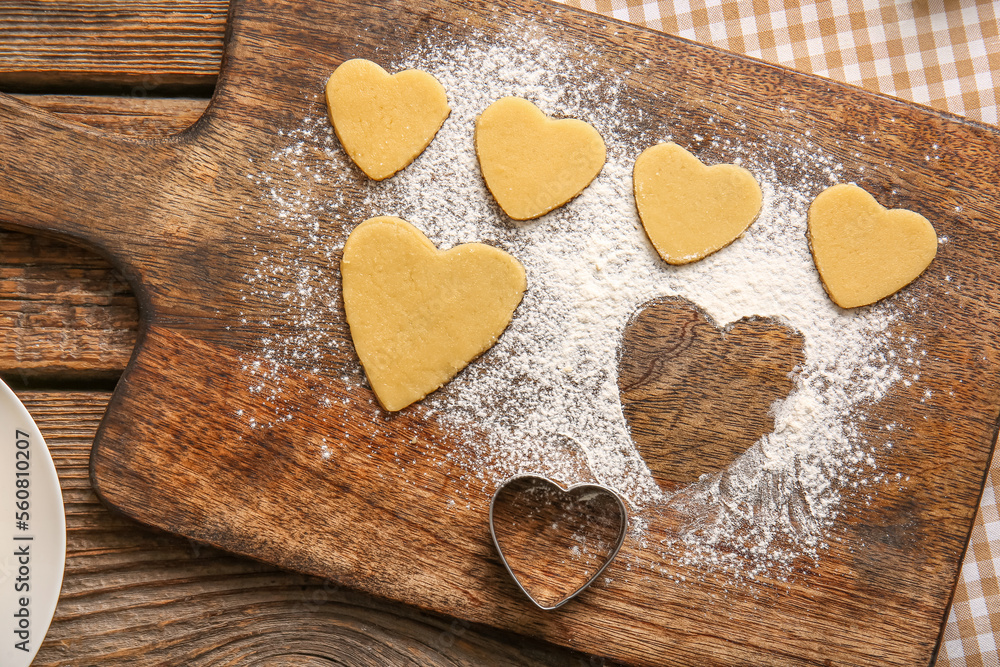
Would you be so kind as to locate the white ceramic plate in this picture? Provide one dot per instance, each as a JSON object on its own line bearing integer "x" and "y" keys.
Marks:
{"x": 32, "y": 534}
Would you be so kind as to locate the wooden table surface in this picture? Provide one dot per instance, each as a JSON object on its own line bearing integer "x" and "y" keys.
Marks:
{"x": 132, "y": 595}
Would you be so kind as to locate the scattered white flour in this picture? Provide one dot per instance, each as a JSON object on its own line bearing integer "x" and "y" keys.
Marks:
{"x": 550, "y": 384}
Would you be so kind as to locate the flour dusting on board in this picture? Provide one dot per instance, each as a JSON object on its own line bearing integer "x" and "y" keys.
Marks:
{"x": 545, "y": 399}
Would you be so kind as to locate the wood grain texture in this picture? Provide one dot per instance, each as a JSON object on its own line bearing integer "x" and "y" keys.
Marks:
{"x": 66, "y": 314}
{"x": 190, "y": 465}
{"x": 696, "y": 396}
{"x": 140, "y": 597}
{"x": 130, "y": 116}
{"x": 140, "y": 49}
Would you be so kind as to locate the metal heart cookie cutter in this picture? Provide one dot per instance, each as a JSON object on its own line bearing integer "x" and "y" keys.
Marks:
{"x": 552, "y": 538}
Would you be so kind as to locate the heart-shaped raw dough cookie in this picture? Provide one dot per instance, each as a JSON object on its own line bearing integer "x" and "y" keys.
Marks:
{"x": 419, "y": 315}
{"x": 384, "y": 122}
{"x": 864, "y": 252}
{"x": 532, "y": 163}
{"x": 555, "y": 542}
{"x": 690, "y": 210}
{"x": 696, "y": 396}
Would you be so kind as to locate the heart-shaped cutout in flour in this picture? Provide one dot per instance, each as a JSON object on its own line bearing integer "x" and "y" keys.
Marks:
{"x": 555, "y": 542}
{"x": 864, "y": 252}
{"x": 690, "y": 210}
{"x": 696, "y": 396}
{"x": 384, "y": 122}
{"x": 419, "y": 315}
{"x": 532, "y": 163}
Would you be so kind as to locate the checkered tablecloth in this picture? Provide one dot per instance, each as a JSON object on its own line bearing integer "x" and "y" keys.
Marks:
{"x": 942, "y": 53}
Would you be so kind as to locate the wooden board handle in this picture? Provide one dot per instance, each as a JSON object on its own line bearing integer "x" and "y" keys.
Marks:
{"x": 151, "y": 207}
{"x": 64, "y": 179}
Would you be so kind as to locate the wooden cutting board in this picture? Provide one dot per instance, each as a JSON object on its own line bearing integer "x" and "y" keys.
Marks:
{"x": 182, "y": 446}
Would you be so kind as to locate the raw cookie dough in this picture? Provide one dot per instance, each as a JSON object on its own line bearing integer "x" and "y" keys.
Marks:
{"x": 384, "y": 122}
{"x": 690, "y": 210}
{"x": 532, "y": 163}
{"x": 864, "y": 252}
{"x": 419, "y": 315}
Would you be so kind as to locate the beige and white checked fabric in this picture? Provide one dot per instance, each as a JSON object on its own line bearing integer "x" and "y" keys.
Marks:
{"x": 970, "y": 636}
{"x": 945, "y": 54}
